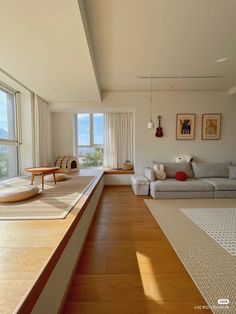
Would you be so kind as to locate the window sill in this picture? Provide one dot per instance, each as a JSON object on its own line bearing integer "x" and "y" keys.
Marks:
{"x": 118, "y": 171}
{"x": 11, "y": 180}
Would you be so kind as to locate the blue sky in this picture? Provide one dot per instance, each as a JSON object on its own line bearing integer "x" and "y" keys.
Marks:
{"x": 84, "y": 128}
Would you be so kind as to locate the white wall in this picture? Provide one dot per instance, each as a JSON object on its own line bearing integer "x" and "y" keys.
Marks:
{"x": 167, "y": 104}
{"x": 117, "y": 179}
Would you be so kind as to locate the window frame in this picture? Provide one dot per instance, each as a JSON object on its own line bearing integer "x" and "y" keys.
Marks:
{"x": 91, "y": 131}
{"x": 16, "y": 141}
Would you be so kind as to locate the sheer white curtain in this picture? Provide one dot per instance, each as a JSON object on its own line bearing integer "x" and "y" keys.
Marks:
{"x": 118, "y": 139}
{"x": 41, "y": 132}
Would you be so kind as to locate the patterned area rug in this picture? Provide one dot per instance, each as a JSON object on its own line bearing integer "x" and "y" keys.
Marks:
{"x": 211, "y": 267}
{"x": 55, "y": 202}
{"x": 218, "y": 223}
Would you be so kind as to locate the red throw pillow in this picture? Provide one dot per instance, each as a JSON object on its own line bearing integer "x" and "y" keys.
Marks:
{"x": 180, "y": 176}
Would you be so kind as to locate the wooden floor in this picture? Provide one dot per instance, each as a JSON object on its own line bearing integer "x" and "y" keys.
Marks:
{"x": 128, "y": 265}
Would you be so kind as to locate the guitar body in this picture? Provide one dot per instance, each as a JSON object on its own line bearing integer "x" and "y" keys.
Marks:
{"x": 159, "y": 132}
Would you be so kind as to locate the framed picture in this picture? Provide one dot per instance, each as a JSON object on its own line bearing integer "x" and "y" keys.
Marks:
{"x": 211, "y": 126}
{"x": 185, "y": 126}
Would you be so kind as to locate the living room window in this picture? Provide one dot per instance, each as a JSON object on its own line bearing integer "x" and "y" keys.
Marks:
{"x": 8, "y": 134}
{"x": 90, "y": 135}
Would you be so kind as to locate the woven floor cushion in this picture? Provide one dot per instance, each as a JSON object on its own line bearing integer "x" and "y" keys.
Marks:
{"x": 59, "y": 177}
{"x": 18, "y": 193}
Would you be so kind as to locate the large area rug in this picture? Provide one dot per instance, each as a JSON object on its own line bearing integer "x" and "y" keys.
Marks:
{"x": 55, "y": 202}
{"x": 211, "y": 266}
{"x": 218, "y": 223}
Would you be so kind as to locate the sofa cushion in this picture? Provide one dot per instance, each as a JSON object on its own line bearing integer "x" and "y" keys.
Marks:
{"x": 139, "y": 180}
{"x": 221, "y": 184}
{"x": 190, "y": 185}
{"x": 211, "y": 170}
{"x": 232, "y": 172}
{"x": 150, "y": 174}
{"x": 172, "y": 167}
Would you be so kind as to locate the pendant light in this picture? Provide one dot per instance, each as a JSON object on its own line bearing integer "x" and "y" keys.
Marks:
{"x": 150, "y": 123}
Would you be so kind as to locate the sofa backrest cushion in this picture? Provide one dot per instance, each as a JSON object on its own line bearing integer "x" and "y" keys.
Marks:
{"x": 211, "y": 170}
{"x": 150, "y": 174}
{"x": 171, "y": 168}
{"x": 232, "y": 172}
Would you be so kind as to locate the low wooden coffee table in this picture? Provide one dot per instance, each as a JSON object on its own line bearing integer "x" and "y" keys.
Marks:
{"x": 42, "y": 171}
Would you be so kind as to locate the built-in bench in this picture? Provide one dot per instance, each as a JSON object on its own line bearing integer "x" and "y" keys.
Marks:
{"x": 117, "y": 176}
{"x": 39, "y": 256}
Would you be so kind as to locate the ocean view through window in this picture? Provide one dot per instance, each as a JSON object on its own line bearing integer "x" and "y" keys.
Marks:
{"x": 90, "y": 130}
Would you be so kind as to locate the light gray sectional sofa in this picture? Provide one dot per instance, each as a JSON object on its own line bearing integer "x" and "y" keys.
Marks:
{"x": 205, "y": 180}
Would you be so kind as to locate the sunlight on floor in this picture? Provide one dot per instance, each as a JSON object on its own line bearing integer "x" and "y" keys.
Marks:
{"x": 149, "y": 281}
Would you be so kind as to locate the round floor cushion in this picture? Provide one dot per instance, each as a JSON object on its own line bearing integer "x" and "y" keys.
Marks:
{"x": 19, "y": 193}
{"x": 59, "y": 177}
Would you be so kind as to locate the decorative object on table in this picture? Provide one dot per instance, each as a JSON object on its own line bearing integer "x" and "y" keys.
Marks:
{"x": 185, "y": 126}
{"x": 180, "y": 176}
{"x": 184, "y": 158}
{"x": 211, "y": 126}
{"x": 127, "y": 165}
{"x": 42, "y": 171}
{"x": 58, "y": 177}
{"x": 67, "y": 164}
{"x": 159, "y": 171}
{"x": 159, "y": 131}
{"x": 16, "y": 194}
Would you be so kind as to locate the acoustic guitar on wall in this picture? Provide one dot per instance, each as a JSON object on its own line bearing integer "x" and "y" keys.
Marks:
{"x": 159, "y": 132}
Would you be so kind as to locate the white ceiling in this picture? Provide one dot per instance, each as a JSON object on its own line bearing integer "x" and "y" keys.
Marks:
{"x": 163, "y": 38}
{"x": 43, "y": 45}
{"x": 46, "y": 45}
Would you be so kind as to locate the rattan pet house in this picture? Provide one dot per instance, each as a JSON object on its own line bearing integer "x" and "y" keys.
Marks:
{"x": 67, "y": 164}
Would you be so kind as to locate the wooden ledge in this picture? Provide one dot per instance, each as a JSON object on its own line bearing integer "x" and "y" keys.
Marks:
{"x": 60, "y": 232}
{"x": 118, "y": 171}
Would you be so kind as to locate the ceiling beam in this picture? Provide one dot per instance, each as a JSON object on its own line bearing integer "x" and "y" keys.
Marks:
{"x": 90, "y": 46}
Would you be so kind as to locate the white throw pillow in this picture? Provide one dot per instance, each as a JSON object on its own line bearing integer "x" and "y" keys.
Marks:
{"x": 159, "y": 171}
{"x": 232, "y": 172}
{"x": 17, "y": 194}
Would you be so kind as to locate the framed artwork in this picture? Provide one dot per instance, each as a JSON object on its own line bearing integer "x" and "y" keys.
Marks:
{"x": 211, "y": 126}
{"x": 185, "y": 126}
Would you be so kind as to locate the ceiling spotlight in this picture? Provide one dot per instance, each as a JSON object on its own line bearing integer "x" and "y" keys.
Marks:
{"x": 222, "y": 60}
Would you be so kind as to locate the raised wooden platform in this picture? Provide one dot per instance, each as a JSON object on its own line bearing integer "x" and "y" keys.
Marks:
{"x": 30, "y": 250}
